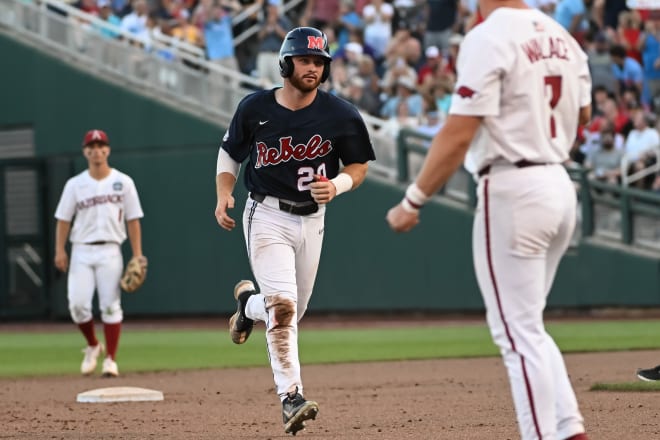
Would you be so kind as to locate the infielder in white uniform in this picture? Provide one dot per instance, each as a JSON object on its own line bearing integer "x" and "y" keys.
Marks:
{"x": 103, "y": 201}
{"x": 523, "y": 87}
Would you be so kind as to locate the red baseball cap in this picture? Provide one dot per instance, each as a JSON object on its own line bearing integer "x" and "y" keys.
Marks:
{"x": 95, "y": 136}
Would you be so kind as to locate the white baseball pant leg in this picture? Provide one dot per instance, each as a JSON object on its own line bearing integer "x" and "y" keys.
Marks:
{"x": 284, "y": 251}
{"x": 95, "y": 267}
{"x": 522, "y": 227}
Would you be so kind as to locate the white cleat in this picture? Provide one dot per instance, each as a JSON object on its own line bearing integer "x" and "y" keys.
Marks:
{"x": 110, "y": 368}
{"x": 89, "y": 361}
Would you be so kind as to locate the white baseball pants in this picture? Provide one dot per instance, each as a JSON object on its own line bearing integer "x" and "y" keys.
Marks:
{"x": 523, "y": 225}
{"x": 284, "y": 251}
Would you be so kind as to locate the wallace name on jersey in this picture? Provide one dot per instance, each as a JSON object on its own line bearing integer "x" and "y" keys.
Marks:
{"x": 546, "y": 47}
{"x": 315, "y": 147}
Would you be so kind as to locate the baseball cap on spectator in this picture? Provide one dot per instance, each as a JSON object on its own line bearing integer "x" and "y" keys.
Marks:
{"x": 274, "y": 2}
{"x": 432, "y": 52}
{"x": 406, "y": 82}
{"x": 354, "y": 47}
{"x": 356, "y": 81}
{"x": 95, "y": 136}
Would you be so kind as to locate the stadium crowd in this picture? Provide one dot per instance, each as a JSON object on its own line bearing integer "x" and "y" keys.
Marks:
{"x": 396, "y": 60}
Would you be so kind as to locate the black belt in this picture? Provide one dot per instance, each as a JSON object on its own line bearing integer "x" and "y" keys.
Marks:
{"x": 520, "y": 164}
{"x": 99, "y": 242}
{"x": 306, "y": 209}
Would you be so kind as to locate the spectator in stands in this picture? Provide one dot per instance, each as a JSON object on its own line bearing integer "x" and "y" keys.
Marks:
{"x": 106, "y": 14}
{"x": 546, "y": 6}
{"x": 629, "y": 32}
{"x": 600, "y": 62}
{"x": 650, "y": 44}
{"x": 136, "y": 22}
{"x": 405, "y": 92}
{"x": 320, "y": 13}
{"x": 433, "y": 62}
{"x": 430, "y": 123}
{"x": 367, "y": 71}
{"x": 377, "y": 15}
{"x": 656, "y": 183}
{"x": 440, "y": 16}
{"x": 604, "y": 161}
{"x": 399, "y": 69}
{"x": 600, "y": 94}
{"x": 642, "y": 146}
{"x": 273, "y": 30}
{"x": 349, "y": 21}
{"x": 357, "y": 94}
{"x": 185, "y": 31}
{"x": 572, "y": 14}
{"x": 219, "y": 39}
{"x": 202, "y": 13}
{"x": 627, "y": 71}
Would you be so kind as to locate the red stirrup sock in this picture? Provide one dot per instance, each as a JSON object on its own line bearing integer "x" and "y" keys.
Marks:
{"x": 111, "y": 332}
{"x": 87, "y": 329}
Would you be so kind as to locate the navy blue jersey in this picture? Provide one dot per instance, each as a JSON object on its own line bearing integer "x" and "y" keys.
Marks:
{"x": 286, "y": 148}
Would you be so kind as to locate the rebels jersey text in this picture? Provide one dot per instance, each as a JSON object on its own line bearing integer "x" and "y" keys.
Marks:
{"x": 286, "y": 148}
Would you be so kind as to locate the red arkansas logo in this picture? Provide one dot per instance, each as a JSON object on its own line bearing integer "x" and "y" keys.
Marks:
{"x": 315, "y": 147}
{"x": 465, "y": 92}
{"x": 315, "y": 42}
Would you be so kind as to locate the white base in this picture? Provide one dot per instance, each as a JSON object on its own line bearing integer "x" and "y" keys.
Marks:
{"x": 119, "y": 394}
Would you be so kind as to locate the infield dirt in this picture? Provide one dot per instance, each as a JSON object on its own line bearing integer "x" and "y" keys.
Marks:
{"x": 451, "y": 399}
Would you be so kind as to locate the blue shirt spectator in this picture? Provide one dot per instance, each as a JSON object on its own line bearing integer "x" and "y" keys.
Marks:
{"x": 218, "y": 35}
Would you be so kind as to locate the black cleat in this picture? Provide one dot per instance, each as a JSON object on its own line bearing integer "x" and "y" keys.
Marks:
{"x": 295, "y": 410}
{"x": 650, "y": 374}
{"x": 240, "y": 326}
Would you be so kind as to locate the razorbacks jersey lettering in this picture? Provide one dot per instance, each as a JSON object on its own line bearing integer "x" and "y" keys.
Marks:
{"x": 99, "y": 208}
{"x": 285, "y": 148}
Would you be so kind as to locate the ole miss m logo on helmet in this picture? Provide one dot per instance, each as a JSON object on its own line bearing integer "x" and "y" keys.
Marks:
{"x": 315, "y": 42}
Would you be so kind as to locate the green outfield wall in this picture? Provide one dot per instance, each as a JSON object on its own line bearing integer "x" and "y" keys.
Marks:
{"x": 193, "y": 264}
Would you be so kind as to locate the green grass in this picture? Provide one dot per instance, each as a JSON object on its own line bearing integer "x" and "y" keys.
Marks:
{"x": 34, "y": 354}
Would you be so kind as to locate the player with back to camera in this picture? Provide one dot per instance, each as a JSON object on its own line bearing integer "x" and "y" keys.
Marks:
{"x": 105, "y": 203}
{"x": 523, "y": 87}
{"x": 293, "y": 139}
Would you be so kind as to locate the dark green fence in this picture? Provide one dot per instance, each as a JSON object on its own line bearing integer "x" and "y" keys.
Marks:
{"x": 364, "y": 266}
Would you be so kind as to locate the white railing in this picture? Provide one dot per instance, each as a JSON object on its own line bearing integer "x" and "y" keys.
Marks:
{"x": 627, "y": 179}
{"x": 166, "y": 69}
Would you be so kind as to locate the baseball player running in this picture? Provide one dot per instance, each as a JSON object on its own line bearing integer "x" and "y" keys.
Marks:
{"x": 523, "y": 86}
{"x": 101, "y": 199}
{"x": 294, "y": 139}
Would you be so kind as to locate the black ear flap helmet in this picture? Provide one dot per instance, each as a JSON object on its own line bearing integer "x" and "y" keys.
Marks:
{"x": 304, "y": 41}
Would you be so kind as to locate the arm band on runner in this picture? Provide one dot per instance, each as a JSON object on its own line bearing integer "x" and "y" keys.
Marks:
{"x": 226, "y": 164}
{"x": 343, "y": 182}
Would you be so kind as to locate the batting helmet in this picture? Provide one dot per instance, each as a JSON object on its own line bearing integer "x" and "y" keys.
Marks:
{"x": 304, "y": 41}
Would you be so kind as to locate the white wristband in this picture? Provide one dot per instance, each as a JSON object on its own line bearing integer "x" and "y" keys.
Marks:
{"x": 405, "y": 204}
{"x": 343, "y": 183}
{"x": 415, "y": 197}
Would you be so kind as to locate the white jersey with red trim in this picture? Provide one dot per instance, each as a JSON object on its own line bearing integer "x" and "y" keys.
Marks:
{"x": 538, "y": 122}
{"x": 100, "y": 207}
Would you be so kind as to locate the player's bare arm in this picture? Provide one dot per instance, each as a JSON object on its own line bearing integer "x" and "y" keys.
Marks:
{"x": 323, "y": 190}
{"x": 445, "y": 155}
{"x": 134, "y": 229}
{"x": 224, "y": 187}
{"x": 61, "y": 233}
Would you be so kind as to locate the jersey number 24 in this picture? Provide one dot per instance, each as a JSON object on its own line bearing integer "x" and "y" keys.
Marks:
{"x": 306, "y": 176}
